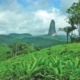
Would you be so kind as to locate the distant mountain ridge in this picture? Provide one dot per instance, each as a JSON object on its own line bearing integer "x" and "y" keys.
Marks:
{"x": 39, "y": 41}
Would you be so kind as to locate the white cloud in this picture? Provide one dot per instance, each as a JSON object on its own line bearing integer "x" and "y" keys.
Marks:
{"x": 35, "y": 23}
{"x": 34, "y": 19}
{"x": 46, "y": 16}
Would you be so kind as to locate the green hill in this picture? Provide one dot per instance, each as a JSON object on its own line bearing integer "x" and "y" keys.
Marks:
{"x": 60, "y": 62}
{"x": 38, "y": 41}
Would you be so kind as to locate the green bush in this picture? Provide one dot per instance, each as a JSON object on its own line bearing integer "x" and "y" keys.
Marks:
{"x": 18, "y": 48}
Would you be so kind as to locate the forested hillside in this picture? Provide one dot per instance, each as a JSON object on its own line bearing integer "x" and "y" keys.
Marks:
{"x": 42, "y": 41}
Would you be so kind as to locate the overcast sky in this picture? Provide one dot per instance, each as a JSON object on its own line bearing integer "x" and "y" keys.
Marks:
{"x": 32, "y": 16}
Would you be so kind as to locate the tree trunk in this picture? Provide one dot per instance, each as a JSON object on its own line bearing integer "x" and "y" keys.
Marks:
{"x": 79, "y": 29}
{"x": 67, "y": 37}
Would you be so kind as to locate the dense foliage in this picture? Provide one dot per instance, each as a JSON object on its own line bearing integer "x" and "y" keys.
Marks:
{"x": 37, "y": 41}
{"x": 14, "y": 49}
{"x": 55, "y": 63}
{"x": 74, "y": 15}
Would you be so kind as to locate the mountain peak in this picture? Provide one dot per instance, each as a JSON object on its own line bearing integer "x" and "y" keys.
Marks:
{"x": 52, "y": 29}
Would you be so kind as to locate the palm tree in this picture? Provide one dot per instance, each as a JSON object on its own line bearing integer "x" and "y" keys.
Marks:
{"x": 68, "y": 30}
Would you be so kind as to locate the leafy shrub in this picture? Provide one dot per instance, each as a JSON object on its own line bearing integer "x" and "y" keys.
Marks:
{"x": 18, "y": 48}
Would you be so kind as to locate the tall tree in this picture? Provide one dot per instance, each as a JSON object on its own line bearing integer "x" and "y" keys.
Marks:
{"x": 68, "y": 30}
{"x": 74, "y": 14}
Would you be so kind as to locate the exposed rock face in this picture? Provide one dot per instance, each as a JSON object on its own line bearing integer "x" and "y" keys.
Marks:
{"x": 52, "y": 29}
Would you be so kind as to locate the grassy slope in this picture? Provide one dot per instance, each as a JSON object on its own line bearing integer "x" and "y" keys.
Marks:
{"x": 59, "y": 54}
{"x": 3, "y": 52}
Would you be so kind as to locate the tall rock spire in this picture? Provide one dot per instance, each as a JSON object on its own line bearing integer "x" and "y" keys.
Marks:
{"x": 52, "y": 29}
